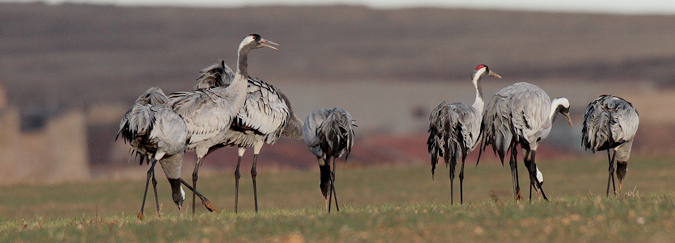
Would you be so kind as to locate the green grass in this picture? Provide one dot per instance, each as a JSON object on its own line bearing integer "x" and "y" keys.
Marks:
{"x": 385, "y": 203}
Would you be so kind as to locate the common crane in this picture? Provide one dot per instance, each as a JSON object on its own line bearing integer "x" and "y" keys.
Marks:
{"x": 329, "y": 133}
{"x": 521, "y": 113}
{"x": 266, "y": 116}
{"x": 610, "y": 123}
{"x": 208, "y": 113}
{"x": 157, "y": 133}
{"x": 454, "y": 130}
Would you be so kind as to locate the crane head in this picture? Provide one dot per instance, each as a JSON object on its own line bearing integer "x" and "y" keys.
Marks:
{"x": 254, "y": 41}
{"x": 177, "y": 193}
{"x": 482, "y": 70}
{"x": 562, "y": 105}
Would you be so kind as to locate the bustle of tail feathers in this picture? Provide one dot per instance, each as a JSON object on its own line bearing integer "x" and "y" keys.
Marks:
{"x": 436, "y": 143}
{"x": 216, "y": 75}
{"x": 293, "y": 126}
{"x": 596, "y": 128}
{"x": 337, "y": 132}
{"x": 139, "y": 120}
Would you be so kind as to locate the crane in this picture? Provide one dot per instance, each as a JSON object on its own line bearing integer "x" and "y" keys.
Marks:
{"x": 521, "y": 113}
{"x": 454, "y": 130}
{"x": 208, "y": 113}
{"x": 610, "y": 123}
{"x": 329, "y": 133}
{"x": 266, "y": 116}
{"x": 156, "y": 133}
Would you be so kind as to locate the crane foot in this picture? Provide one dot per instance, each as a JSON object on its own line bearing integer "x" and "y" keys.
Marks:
{"x": 210, "y": 206}
{"x": 140, "y": 215}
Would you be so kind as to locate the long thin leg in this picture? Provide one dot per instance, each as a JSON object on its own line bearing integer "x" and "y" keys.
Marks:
{"x": 526, "y": 154}
{"x": 194, "y": 182}
{"x": 331, "y": 187}
{"x": 514, "y": 172}
{"x": 254, "y": 174}
{"x": 256, "y": 150}
{"x": 530, "y": 191}
{"x": 237, "y": 175}
{"x": 533, "y": 173}
{"x": 205, "y": 200}
{"x": 609, "y": 161}
{"x": 461, "y": 181}
{"x": 332, "y": 183}
{"x": 611, "y": 172}
{"x": 154, "y": 188}
{"x": 451, "y": 172}
{"x": 147, "y": 182}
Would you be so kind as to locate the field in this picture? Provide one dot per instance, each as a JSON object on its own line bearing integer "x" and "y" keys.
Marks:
{"x": 391, "y": 204}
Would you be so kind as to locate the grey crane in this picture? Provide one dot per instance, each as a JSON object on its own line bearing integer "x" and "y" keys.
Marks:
{"x": 329, "y": 133}
{"x": 521, "y": 113}
{"x": 208, "y": 113}
{"x": 610, "y": 123}
{"x": 157, "y": 133}
{"x": 454, "y": 130}
{"x": 266, "y": 116}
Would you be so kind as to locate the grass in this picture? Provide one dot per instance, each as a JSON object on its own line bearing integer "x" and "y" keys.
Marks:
{"x": 385, "y": 203}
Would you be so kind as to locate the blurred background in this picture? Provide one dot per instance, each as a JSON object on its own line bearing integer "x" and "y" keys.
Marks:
{"x": 69, "y": 70}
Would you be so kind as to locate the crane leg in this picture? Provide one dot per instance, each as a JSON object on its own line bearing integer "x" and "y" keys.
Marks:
{"x": 195, "y": 176}
{"x": 237, "y": 175}
{"x": 451, "y": 172}
{"x": 514, "y": 173}
{"x": 461, "y": 181}
{"x": 525, "y": 160}
{"x": 256, "y": 150}
{"x": 154, "y": 188}
{"x": 205, "y": 200}
{"x": 611, "y": 171}
{"x": 145, "y": 193}
{"x": 533, "y": 173}
{"x": 254, "y": 174}
{"x": 332, "y": 183}
{"x": 331, "y": 187}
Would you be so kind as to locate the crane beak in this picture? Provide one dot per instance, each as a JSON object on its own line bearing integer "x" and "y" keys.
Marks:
{"x": 567, "y": 115}
{"x": 493, "y": 74}
{"x": 268, "y": 44}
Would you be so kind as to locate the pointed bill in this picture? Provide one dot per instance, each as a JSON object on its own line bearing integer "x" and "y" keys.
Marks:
{"x": 493, "y": 74}
{"x": 567, "y": 115}
{"x": 268, "y": 44}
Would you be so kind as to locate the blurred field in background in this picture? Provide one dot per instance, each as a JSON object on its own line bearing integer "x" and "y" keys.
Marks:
{"x": 70, "y": 71}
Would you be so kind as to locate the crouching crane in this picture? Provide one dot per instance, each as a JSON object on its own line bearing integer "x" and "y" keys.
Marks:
{"x": 156, "y": 133}
{"x": 520, "y": 114}
{"x": 610, "y": 123}
{"x": 329, "y": 133}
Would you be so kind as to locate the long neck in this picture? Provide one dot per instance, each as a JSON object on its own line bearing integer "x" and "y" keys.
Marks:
{"x": 479, "y": 103}
{"x": 555, "y": 106}
{"x": 240, "y": 81}
{"x": 242, "y": 61}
